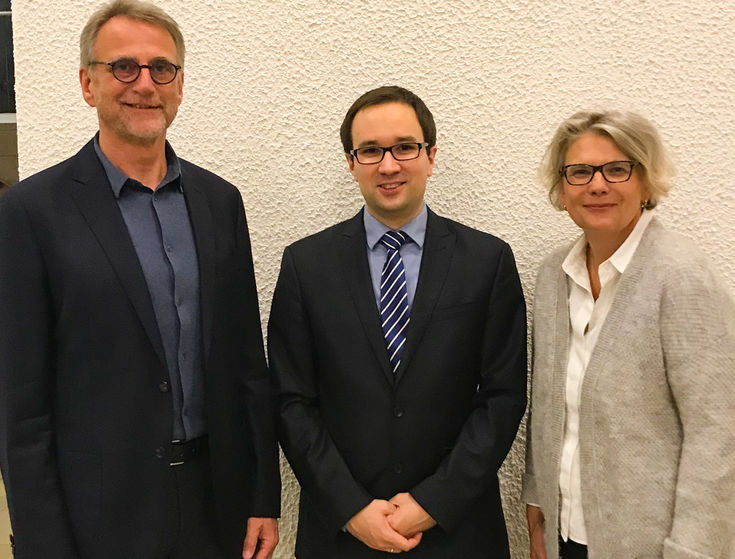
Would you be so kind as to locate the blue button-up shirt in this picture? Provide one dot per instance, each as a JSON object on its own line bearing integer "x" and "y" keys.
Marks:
{"x": 159, "y": 227}
{"x": 410, "y": 252}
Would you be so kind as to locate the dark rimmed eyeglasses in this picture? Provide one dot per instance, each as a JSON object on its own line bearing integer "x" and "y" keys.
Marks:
{"x": 127, "y": 70}
{"x": 580, "y": 174}
{"x": 370, "y": 155}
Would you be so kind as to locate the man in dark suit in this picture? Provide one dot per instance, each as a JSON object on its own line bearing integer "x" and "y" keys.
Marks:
{"x": 136, "y": 420}
{"x": 397, "y": 340}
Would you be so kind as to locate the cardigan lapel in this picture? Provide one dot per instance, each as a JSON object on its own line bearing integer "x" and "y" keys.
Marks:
{"x": 435, "y": 263}
{"x": 612, "y": 334}
{"x": 93, "y": 195}
{"x": 352, "y": 249}
{"x": 561, "y": 338}
{"x": 202, "y": 224}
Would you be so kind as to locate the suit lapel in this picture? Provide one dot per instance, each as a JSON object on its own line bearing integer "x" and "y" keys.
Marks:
{"x": 435, "y": 263}
{"x": 202, "y": 224}
{"x": 93, "y": 196}
{"x": 352, "y": 248}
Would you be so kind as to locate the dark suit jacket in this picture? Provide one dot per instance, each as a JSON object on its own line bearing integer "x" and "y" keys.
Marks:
{"x": 85, "y": 418}
{"x": 440, "y": 428}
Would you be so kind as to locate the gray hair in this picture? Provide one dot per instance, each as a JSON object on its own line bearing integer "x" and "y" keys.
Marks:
{"x": 633, "y": 134}
{"x": 134, "y": 9}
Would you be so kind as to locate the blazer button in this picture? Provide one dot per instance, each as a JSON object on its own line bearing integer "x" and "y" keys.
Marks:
{"x": 160, "y": 452}
{"x": 163, "y": 387}
{"x": 398, "y": 412}
{"x": 398, "y": 469}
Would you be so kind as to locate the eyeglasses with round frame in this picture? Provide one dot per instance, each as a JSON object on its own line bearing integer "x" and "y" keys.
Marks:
{"x": 127, "y": 70}
{"x": 579, "y": 174}
{"x": 372, "y": 155}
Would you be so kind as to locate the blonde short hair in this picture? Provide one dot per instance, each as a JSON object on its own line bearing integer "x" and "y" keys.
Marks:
{"x": 133, "y": 9}
{"x": 634, "y": 135}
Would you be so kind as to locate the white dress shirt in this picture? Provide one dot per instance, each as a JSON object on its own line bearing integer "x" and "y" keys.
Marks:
{"x": 586, "y": 317}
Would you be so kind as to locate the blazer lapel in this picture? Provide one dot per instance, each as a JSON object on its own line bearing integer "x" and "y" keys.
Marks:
{"x": 352, "y": 248}
{"x": 202, "y": 224}
{"x": 435, "y": 262}
{"x": 93, "y": 196}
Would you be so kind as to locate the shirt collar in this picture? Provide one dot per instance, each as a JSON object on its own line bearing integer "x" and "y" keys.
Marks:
{"x": 575, "y": 264}
{"x": 415, "y": 229}
{"x": 622, "y": 257}
{"x": 118, "y": 179}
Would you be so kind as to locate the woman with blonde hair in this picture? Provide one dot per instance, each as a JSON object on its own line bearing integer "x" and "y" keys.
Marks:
{"x": 632, "y": 425}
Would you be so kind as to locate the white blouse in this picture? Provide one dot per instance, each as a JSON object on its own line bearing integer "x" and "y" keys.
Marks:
{"x": 586, "y": 317}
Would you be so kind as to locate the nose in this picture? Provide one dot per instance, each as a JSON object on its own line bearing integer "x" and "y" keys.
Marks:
{"x": 598, "y": 184}
{"x": 144, "y": 82}
{"x": 389, "y": 166}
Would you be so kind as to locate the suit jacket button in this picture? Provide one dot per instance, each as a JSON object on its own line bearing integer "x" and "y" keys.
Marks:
{"x": 398, "y": 469}
{"x": 398, "y": 412}
{"x": 163, "y": 387}
{"x": 160, "y": 452}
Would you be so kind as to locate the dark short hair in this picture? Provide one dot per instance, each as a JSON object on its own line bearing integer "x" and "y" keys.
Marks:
{"x": 389, "y": 94}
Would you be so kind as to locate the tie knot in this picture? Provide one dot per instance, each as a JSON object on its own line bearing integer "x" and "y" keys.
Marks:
{"x": 393, "y": 240}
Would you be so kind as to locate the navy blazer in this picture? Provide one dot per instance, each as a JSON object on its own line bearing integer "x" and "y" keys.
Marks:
{"x": 85, "y": 414}
{"x": 439, "y": 428}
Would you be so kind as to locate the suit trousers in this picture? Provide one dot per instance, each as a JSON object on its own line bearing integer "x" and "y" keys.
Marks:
{"x": 190, "y": 531}
{"x": 571, "y": 550}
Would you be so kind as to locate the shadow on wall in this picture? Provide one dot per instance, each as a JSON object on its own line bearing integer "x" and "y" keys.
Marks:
{"x": 3, "y": 186}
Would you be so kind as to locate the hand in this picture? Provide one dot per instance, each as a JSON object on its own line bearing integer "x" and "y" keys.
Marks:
{"x": 409, "y": 518}
{"x": 536, "y": 532}
{"x": 261, "y": 535}
{"x": 371, "y": 527}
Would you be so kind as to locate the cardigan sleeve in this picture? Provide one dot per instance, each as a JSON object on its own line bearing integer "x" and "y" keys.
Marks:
{"x": 698, "y": 340}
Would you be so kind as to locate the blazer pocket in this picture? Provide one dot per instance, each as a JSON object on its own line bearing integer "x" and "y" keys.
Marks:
{"x": 443, "y": 313}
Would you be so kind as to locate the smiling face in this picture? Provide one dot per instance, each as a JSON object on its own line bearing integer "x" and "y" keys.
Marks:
{"x": 600, "y": 208}
{"x": 139, "y": 112}
{"x": 393, "y": 190}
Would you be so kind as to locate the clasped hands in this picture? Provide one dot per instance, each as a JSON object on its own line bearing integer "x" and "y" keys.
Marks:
{"x": 393, "y": 526}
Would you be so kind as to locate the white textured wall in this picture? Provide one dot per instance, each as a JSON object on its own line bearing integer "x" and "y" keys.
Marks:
{"x": 267, "y": 85}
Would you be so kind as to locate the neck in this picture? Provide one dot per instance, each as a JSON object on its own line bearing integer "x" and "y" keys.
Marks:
{"x": 602, "y": 245}
{"x": 393, "y": 222}
{"x": 145, "y": 163}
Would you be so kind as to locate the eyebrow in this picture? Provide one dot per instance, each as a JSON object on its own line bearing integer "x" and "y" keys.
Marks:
{"x": 137, "y": 60}
{"x": 399, "y": 140}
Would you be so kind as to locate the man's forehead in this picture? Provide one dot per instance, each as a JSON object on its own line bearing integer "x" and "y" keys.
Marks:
{"x": 125, "y": 33}
{"x": 393, "y": 119}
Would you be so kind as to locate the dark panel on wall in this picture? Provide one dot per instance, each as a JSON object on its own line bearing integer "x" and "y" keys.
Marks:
{"x": 7, "y": 79}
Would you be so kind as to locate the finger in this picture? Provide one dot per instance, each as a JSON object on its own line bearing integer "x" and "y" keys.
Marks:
{"x": 397, "y": 498}
{"x": 265, "y": 551}
{"x": 388, "y": 507}
{"x": 250, "y": 543}
{"x": 397, "y": 541}
{"x": 415, "y": 540}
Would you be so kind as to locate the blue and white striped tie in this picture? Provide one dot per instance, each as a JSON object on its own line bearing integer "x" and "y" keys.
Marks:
{"x": 394, "y": 297}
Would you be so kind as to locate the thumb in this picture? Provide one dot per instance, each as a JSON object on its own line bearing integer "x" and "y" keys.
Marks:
{"x": 250, "y": 543}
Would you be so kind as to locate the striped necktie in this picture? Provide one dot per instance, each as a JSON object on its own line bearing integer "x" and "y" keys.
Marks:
{"x": 394, "y": 297}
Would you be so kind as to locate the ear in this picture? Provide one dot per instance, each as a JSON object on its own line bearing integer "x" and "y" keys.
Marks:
{"x": 85, "y": 80}
{"x": 562, "y": 196}
{"x": 645, "y": 194}
{"x": 350, "y": 162}
{"x": 431, "y": 154}
{"x": 180, "y": 92}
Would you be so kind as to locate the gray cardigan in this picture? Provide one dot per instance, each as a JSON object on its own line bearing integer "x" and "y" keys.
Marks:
{"x": 657, "y": 417}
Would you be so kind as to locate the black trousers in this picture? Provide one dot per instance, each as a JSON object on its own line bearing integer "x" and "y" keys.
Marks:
{"x": 190, "y": 531}
{"x": 571, "y": 550}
